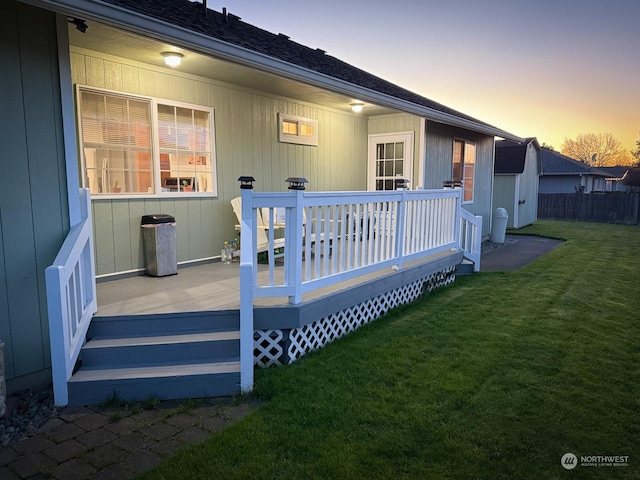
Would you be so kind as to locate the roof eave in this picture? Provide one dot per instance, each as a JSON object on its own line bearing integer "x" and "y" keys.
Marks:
{"x": 161, "y": 30}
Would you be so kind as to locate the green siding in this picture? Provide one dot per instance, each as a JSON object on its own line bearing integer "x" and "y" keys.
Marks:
{"x": 504, "y": 191}
{"x": 33, "y": 205}
{"x": 401, "y": 123}
{"x": 439, "y": 152}
{"x": 246, "y": 144}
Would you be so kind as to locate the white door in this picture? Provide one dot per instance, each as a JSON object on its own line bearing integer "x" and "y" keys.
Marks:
{"x": 390, "y": 158}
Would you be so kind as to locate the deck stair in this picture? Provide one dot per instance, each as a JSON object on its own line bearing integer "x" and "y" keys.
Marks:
{"x": 163, "y": 356}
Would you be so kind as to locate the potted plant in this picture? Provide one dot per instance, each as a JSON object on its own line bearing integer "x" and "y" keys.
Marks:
{"x": 116, "y": 187}
{"x": 186, "y": 187}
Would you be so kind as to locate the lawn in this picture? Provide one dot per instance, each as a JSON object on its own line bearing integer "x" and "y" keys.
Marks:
{"x": 494, "y": 377}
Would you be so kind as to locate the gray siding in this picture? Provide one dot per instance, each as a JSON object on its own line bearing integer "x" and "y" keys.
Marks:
{"x": 439, "y": 152}
{"x": 246, "y": 144}
{"x": 33, "y": 197}
{"x": 528, "y": 190}
{"x": 559, "y": 183}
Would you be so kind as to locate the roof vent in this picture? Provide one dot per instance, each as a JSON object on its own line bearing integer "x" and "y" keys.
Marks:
{"x": 283, "y": 36}
{"x": 319, "y": 50}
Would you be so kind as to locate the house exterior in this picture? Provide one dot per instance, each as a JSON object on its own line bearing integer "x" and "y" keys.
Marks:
{"x": 88, "y": 102}
{"x": 613, "y": 182}
{"x": 561, "y": 174}
{"x": 515, "y": 187}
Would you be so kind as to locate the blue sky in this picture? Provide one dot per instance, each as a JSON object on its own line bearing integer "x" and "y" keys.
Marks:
{"x": 550, "y": 69}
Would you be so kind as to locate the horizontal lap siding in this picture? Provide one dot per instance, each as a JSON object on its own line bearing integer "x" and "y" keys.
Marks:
{"x": 33, "y": 203}
{"x": 246, "y": 144}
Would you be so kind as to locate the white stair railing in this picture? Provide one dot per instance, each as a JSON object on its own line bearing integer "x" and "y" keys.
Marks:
{"x": 471, "y": 237}
{"x": 71, "y": 299}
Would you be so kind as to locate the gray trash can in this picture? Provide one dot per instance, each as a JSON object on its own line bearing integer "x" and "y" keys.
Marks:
{"x": 499, "y": 225}
{"x": 159, "y": 244}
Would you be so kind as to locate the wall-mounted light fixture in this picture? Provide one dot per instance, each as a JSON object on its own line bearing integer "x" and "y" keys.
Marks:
{"x": 172, "y": 59}
{"x": 357, "y": 107}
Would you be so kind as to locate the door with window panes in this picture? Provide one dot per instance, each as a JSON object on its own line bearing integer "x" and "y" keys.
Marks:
{"x": 390, "y": 158}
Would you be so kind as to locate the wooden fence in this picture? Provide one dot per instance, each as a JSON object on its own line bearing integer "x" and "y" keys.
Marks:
{"x": 603, "y": 207}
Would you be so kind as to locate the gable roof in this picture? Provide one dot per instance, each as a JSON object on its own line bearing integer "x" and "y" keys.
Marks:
{"x": 511, "y": 156}
{"x": 211, "y": 32}
{"x": 554, "y": 163}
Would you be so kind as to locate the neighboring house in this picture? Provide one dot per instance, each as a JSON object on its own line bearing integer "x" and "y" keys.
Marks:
{"x": 515, "y": 186}
{"x": 561, "y": 174}
{"x": 631, "y": 179}
{"x": 613, "y": 182}
{"x": 89, "y": 102}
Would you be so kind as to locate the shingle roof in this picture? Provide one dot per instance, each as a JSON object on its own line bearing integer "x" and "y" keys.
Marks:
{"x": 554, "y": 163}
{"x": 511, "y": 156}
{"x": 614, "y": 172}
{"x": 229, "y": 28}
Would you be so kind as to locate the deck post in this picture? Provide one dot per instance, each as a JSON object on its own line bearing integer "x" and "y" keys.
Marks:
{"x": 247, "y": 257}
{"x": 294, "y": 243}
{"x": 400, "y": 228}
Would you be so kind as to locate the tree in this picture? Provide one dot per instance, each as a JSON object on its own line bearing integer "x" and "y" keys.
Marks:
{"x": 596, "y": 149}
{"x": 636, "y": 153}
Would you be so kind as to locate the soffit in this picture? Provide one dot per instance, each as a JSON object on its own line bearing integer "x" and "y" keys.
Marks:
{"x": 119, "y": 43}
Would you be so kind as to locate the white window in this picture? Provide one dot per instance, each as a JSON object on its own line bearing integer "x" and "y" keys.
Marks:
{"x": 293, "y": 129}
{"x": 145, "y": 146}
{"x": 464, "y": 161}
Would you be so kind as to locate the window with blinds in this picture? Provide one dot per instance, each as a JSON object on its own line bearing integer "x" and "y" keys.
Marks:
{"x": 464, "y": 161}
{"x": 144, "y": 146}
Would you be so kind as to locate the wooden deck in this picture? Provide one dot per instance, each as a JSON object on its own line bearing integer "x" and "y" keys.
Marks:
{"x": 211, "y": 286}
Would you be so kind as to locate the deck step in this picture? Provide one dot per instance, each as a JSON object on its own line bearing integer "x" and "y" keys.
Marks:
{"x": 191, "y": 380}
{"x": 164, "y": 324}
{"x": 163, "y": 356}
{"x": 114, "y": 351}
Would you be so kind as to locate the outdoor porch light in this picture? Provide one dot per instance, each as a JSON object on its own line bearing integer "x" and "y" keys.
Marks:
{"x": 357, "y": 107}
{"x": 172, "y": 59}
{"x": 246, "y": 183}
{"x": 401, "y": 183}
{"x": 296, "y": 183}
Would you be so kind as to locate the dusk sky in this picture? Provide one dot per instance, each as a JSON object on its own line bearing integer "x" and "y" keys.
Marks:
{"x": 547, "y": 68}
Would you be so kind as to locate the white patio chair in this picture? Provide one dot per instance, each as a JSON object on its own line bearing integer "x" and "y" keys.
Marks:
{"x": 262, "y": 239}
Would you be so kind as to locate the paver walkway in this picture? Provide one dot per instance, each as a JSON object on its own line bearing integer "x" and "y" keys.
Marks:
{"x": 116, "y": 442}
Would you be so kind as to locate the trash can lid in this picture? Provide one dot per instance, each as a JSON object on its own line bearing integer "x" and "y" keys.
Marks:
{"x": 157, "y": 218}
{"x": 500, "y": 213}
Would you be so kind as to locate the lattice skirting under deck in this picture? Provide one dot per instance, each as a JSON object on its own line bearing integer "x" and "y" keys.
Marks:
{"x": 277, "y": 347}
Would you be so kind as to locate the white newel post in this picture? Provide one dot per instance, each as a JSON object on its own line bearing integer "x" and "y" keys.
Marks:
{"x": 247, "y": 258}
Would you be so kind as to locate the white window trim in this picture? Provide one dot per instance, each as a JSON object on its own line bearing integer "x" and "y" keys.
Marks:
{"x": 297, "y": 139}
{"x": 473, "y": 191}
{"x": 155, "y": 146}
{"x": 407, "y": 137}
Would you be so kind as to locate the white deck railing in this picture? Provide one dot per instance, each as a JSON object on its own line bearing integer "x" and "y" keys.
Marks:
{"x": 471, "y": 237}
{"x": 331, "y": 237}
{"x": 71, "y": 299}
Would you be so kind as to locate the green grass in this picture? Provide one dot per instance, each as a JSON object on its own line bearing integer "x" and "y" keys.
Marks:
{"x": 494, "y": 377}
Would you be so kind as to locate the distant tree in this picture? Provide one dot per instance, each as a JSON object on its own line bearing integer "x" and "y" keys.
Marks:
{"x": 548, "y": 147}
{"x": 596, "y": 149}
{"x": 636, "y": 153}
